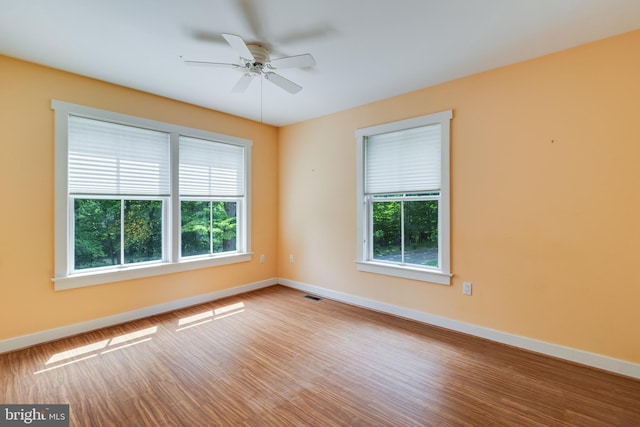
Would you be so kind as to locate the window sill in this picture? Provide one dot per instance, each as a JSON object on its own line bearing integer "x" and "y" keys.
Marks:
{"x": 406, "y": 272}
{"x": 79, "y": 280}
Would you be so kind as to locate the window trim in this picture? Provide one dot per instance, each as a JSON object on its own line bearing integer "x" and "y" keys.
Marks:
{"x": 64, "y": 276}
{"x": 364, "y": 262}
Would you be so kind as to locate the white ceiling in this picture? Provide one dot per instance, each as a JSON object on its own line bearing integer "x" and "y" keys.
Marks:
{"x": 366, "y": 50}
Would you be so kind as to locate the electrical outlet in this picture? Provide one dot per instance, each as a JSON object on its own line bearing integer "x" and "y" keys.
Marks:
{"x": 466, "y": 288}
{"x": 290, "y": 257}
{"x": 262, "y": 259}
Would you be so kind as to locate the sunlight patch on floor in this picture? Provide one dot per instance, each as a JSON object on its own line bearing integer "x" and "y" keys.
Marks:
{"x": 117, "y": 343}
{"x": 228, "y": 308}
{"x": 89, "y": 351}
{"x": 209, "y": 315}
{"x": 195, "y": 318}
{"x": 125, "y": 346}
{"x": 133, "y": 335}
{"x": 78, "y": 351}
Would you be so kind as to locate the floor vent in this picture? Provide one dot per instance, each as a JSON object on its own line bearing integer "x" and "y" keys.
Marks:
{"x": 313, "y": 297}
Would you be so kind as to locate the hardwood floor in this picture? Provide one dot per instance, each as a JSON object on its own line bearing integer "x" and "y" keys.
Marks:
{"x": 275, "y": 358}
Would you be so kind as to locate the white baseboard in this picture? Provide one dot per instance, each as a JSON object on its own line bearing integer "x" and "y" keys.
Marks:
{"x": 606, "y": 363}
{"x": 29, "y": 340}
{"x": 617, "y": 366}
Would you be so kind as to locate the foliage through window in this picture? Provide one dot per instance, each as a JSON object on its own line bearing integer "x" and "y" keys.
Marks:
{"x": 102, "y": 239}
{"x": 405, "y": 230}
{"x": 208, "y": 227}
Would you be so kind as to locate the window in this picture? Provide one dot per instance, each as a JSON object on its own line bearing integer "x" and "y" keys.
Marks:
{"x": 118, "y": 184}
{"x": 403, "y": 191}
{"x": 211, "y": 194}
{"x": 137, "y": 198}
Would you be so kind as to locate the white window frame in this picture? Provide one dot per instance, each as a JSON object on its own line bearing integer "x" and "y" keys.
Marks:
{"x": 64, "y": 275}
{"x": 365, "y": 262}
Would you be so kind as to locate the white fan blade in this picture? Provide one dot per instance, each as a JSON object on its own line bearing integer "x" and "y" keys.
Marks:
{"x": 285, "y": 84}
{"x": 210, "y": 63}
{"x": 296, "y": 61}
{"x": 238, "y": 44}
{"x": 242, "y": 84}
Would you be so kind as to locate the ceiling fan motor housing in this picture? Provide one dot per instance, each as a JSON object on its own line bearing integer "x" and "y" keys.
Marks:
{"x": 260, "y": 53}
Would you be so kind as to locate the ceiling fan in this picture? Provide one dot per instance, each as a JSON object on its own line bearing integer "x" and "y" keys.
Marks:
{"x": 256, "y": 62}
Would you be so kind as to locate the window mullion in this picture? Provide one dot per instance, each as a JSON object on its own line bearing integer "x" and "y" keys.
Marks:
{"x": 368, "y": 242}
{"x": 71, "y": 224}
{"x": 210, "y": 226}
{"x": 122, "y": 207}
{"x": 175, "y": 220}
{"x": 402, "y": 231}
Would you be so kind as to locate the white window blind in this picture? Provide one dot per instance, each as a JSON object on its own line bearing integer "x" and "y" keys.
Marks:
{"x": 112, "y": 159}
{"x": 209, "y": 168}
{"x": 403, "y": 161}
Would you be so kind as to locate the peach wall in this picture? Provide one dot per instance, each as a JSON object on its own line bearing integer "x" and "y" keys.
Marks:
{"x": 27, "y": 300}
{"x": 545, "y": 199}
